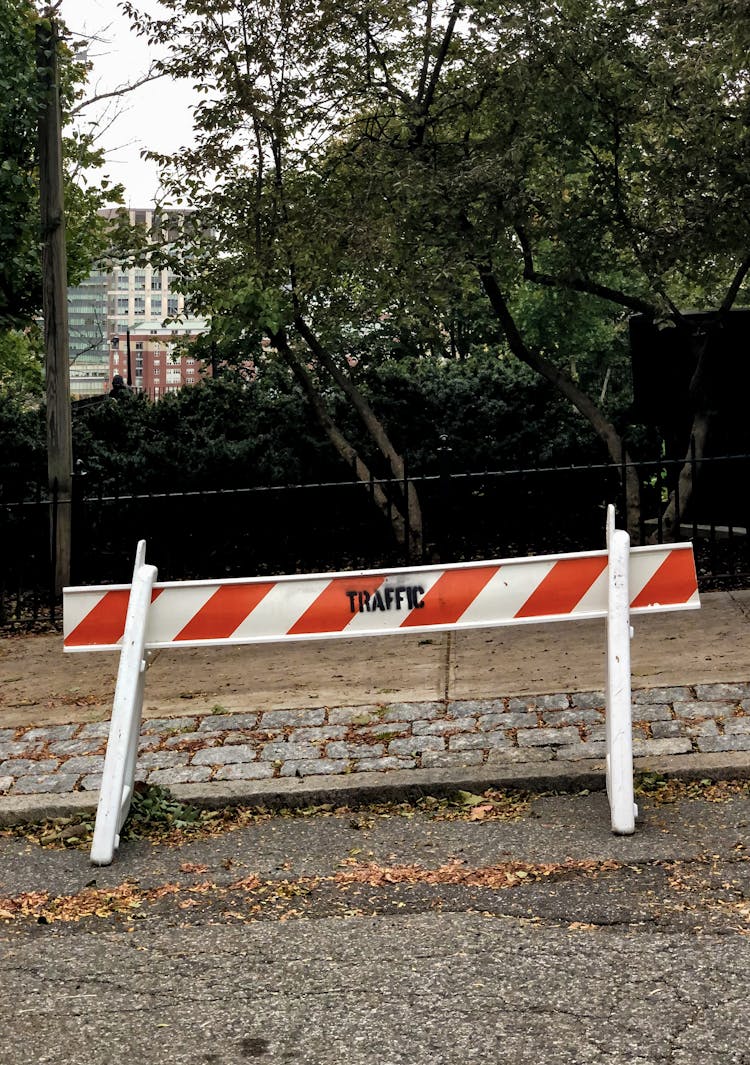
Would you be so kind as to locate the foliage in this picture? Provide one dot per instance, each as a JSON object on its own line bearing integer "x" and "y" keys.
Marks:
{"x": 21, "y": 97}
{"x": 484, "y": 170}
{"x": 21, "y": 362}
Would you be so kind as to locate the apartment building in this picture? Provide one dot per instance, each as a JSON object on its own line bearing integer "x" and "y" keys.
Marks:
{"x": 113, "y": 302}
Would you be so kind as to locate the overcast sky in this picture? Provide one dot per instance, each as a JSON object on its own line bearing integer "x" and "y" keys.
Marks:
{"x": 155, "y": 116}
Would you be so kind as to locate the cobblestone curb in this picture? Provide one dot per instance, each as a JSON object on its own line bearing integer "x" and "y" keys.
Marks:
{"x": 386, "y": 738}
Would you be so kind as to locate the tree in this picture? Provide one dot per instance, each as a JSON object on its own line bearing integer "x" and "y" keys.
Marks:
{"x": 20, "y": 100}
{"x": 403, "y": 160}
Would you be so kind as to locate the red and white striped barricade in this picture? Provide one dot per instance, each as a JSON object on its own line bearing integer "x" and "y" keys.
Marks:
{"x": 146, "y": 615}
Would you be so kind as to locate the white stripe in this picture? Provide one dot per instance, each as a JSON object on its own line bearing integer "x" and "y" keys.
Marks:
{"x": 643, "y": 566}
{"x": 77, "y": 607}
{"x": 595, "y": 598}
{"x": 277, "y": 611}
{"x": 173, "y": 609}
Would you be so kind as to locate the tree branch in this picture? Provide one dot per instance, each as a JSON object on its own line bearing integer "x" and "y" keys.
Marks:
{"x": 116, "y": 92}
{"x": 578, "y": 284}
{"x": 735, "y": 286}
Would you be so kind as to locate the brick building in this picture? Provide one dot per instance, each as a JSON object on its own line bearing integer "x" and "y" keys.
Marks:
{"x": 157, "y": 362}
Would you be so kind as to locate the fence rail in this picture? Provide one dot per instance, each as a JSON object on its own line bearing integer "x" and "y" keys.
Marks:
{"x": 216, "y": 533}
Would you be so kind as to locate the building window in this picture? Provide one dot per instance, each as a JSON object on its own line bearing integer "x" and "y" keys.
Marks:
{"x": 139, "y": 306}
{"x": 156, "y": 304}
{"x": 140, "y": 280}
{"x": 156, "y": 282}
{"x": 172, "y": 305}
{"x": 122, "y": 281}
{"x": 122, "y": 304}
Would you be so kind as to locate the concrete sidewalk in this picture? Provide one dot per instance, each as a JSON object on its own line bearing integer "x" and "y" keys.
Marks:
{"x": 300, "y": 719}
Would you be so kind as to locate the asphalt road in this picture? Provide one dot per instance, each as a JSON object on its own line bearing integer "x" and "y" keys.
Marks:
{"x": 367, "y": 937}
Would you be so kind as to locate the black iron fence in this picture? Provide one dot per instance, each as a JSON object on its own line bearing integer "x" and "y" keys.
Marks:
{"x": 321, "y": 527}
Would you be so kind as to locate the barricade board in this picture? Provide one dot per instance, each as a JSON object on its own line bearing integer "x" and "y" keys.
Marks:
{"x": 379, "y": 602}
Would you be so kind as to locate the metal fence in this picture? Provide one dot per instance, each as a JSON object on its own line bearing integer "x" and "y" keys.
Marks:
{"x": 321, "y": 527}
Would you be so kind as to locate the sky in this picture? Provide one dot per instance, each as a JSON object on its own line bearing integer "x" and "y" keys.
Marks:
{"x": 155, "y": 116}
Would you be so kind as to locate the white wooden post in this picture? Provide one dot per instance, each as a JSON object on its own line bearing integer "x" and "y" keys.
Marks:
{"x": 118, "y": 776}
{"x": 619, "y": 757}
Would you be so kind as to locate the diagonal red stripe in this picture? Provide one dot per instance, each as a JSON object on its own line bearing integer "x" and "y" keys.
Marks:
{"x": 450, "y": 596}
{"x": 227, "y": 608}
{"x": 675, "y": 581}
{"x": 563, "y": 587}
{"x": 333, "y": 609}
{"x": 105, "y": 623}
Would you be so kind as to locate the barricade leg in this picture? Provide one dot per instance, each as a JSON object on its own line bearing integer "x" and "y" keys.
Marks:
{"x": 118, "y": 776}
{"x": 619, "y": 761}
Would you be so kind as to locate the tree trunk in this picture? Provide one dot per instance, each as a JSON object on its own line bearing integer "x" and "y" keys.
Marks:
{"x": 346, "y": 450}
{"x": 375, "y": 428}
{"x": 564, "y": 384}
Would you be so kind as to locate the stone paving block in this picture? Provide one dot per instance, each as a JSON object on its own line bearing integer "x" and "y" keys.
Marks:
{"x": 6, "y": 783}
{"x": 186, "y": 774}
{"x": 225, "y": 722}
{"x": 594, "y": 733}
{"x": 69, "y": 747}
{"x": 282, "y": 718}
{"x": 245, "y": 771}
{"x": 576, "y": 752}
{"x": 386, "y": 729}
{"x": 22, "y": 766}
{"x": 510, "y": 719}
{"x": 377, "y": 765}
{"x": 469, "y": 741}
{"x": 661, "y": 747}
{"x": 572, "y": 716}
{"x": 701, "y": 728}
{"x": 314, "y": 767}
{"x": 540, "y": 702}
{"x": 169, "y": 724}
{"x": 451, "y": 759}
{"x": 413, "y": 711}
{"x": 702, "y": 709}
{"x": 92, "y": 782}
{"x": 712, "y": 744}
{"x": 547, "y": 737}
{"x": 208, "y": 739}
{"x": 520, "y": 755}
{"x": 89, "y": 764}
{"x": 415, "y": 745}
{"x": 46, "y": 784}
{"x": 323, "y": 732}
{"x": 51, "y": 732}
{"x": 6, "y": 734}
{"x": 355, "y": 750}
{"x": 589, "y": 700}
{"x": 239, "y": 753}
{"x": 651, "y": 712}
{"x": 356, "y": 715}
{"x": 18, "y": 748}
{"x": 161, "y": 759}
{"x": 94, "y": 730}
{"x": 662, "y": 695}
{"x": 735, "y": 692}
{"x": 280, "y": 752}
{"x": 475, "y": 707}
{"x": 737, "y": 726}
{"x": 443, "y": 726}
{"x": 663, "y": 730}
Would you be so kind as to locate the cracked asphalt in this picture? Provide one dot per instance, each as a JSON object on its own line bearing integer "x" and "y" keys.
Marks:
{"x": 380, "y": 936}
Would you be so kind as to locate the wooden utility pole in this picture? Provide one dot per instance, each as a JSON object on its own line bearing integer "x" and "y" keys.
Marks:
{"x": 55, "y": 304}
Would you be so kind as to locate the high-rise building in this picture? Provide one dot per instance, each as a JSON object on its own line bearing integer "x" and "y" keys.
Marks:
{"x": 113, "y": 301}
